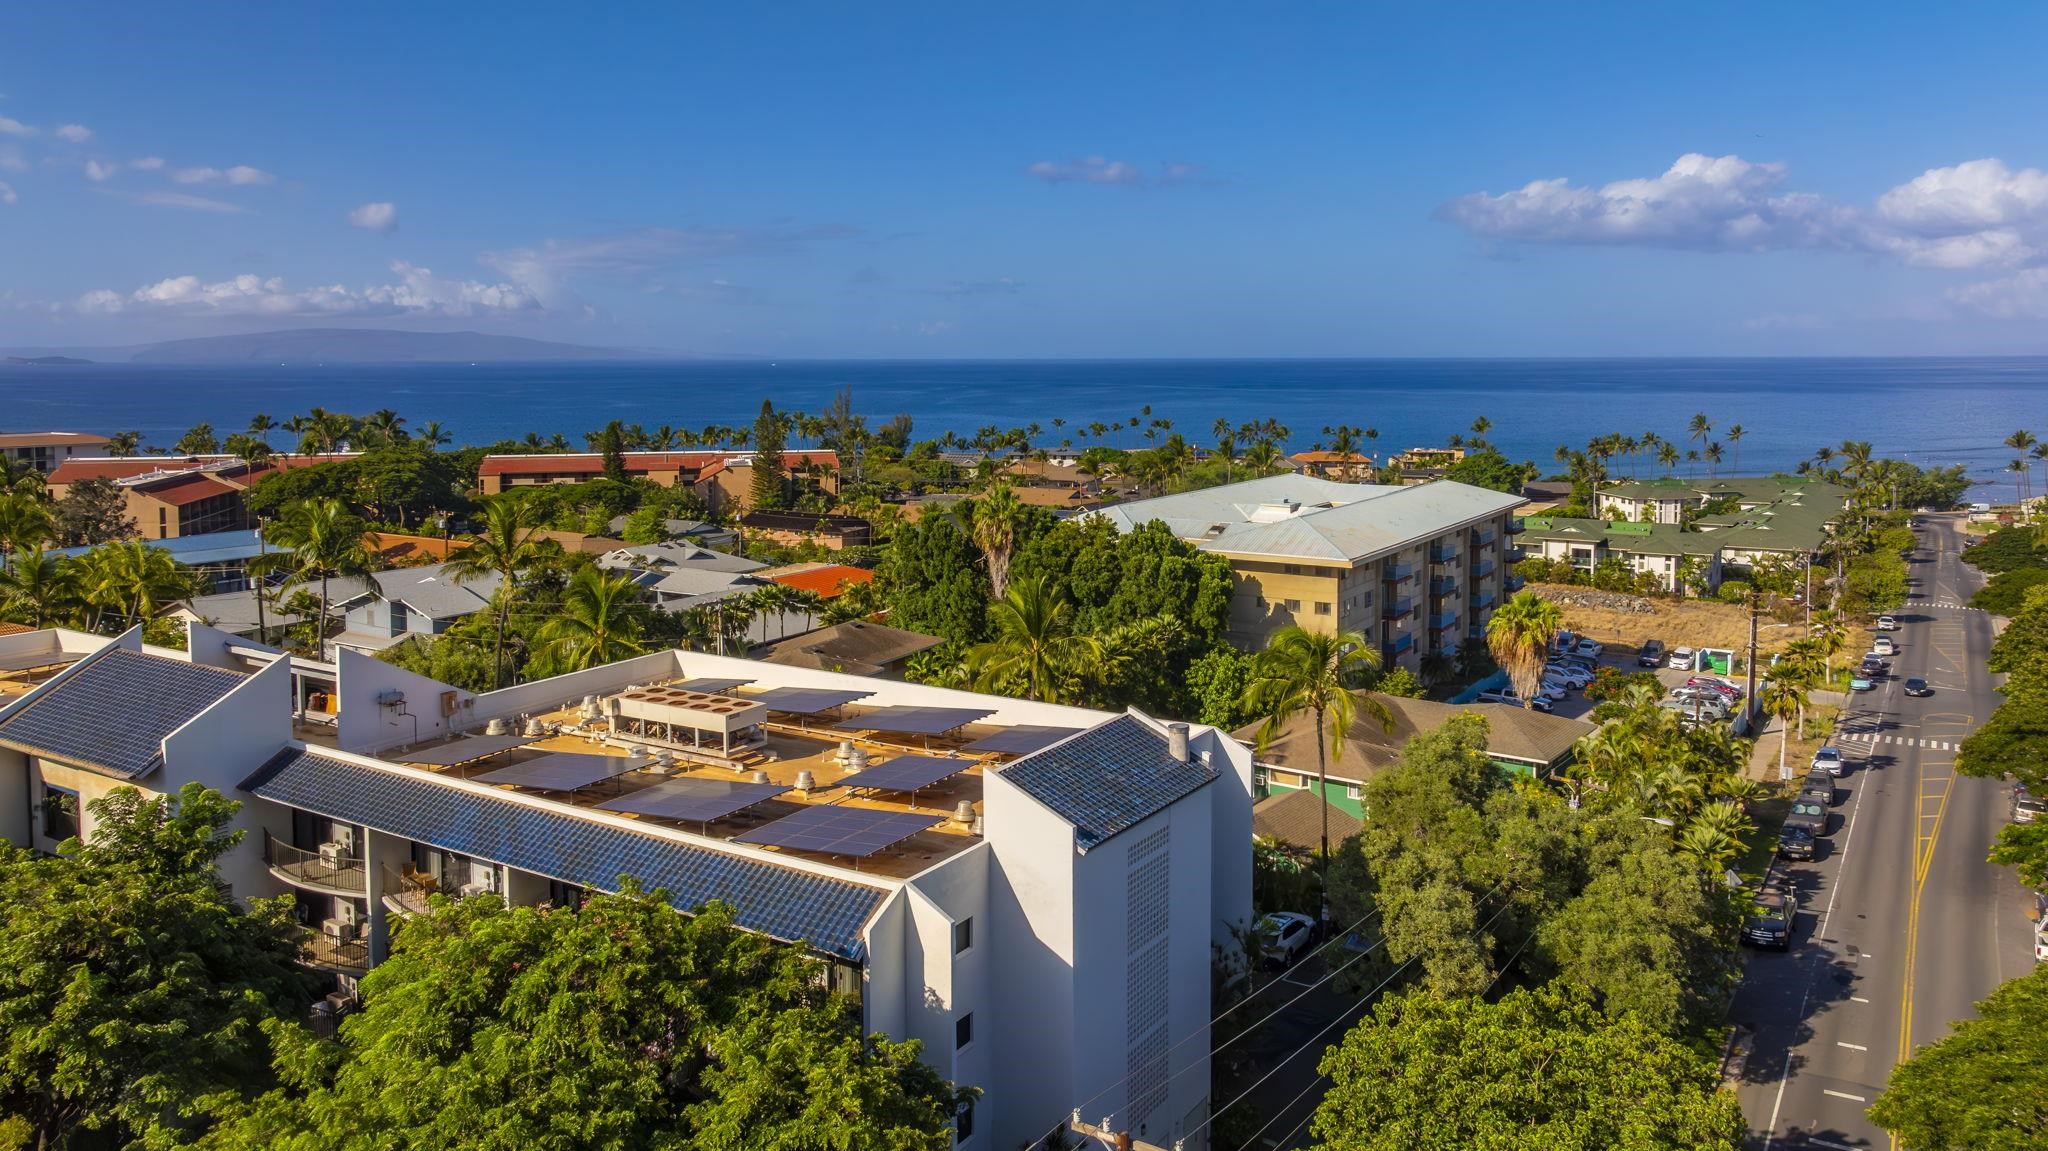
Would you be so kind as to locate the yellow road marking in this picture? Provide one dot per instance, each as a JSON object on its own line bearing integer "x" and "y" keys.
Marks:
{"x": 1924, "y": 842}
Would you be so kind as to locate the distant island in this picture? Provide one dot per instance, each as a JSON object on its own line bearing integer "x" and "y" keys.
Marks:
{"x": 336, "y": 346}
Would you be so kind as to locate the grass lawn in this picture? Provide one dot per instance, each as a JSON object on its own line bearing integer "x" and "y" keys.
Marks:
{"x": 1763, "y": 842}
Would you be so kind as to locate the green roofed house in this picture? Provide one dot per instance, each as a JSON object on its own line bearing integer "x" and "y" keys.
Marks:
{"x": 1519, "y": 740}
{"x": 1658, "y": 549}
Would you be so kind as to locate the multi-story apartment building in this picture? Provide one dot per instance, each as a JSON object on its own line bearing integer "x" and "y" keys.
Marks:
{"x": 1418, "y": 569}
{"x": 1662, "y": 528}
{"x": 724, "y": 479}
{"x": 43, "y": 451}
{"x": 1032, "y": 891}
{"x": 173, "y": 496}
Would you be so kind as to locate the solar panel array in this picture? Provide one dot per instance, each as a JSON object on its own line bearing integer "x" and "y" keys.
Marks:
{"x": 805, "y": 700}
{"x": 693, "y": 800}
{"x": 855, "y": 831}
{"x": 914, "y": 720}
{"x": 463, "y": 750}
{"x": 563, "y": 770}
{"x": 1020, "y": 740}
{"x": 712, "y": 686}
{"x": 907, "y": 773}
{"x": 114, "y": 712}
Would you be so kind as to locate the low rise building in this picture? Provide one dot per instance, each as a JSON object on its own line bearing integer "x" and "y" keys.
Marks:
{"x": 1415, "y": 569}
{"x": 1678, "y": 560}
{"x": 724, "y": 479}
{"x": 170, "y": 496}
{"x": 43, "y": 451}
{"x": 1032, "y": 891}
{"x": 856, "y": 647}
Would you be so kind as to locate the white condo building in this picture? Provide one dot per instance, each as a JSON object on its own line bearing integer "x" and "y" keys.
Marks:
{"x": 1030, "y": 890}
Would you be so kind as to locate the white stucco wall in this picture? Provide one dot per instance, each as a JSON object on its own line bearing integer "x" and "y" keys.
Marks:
{"x": 225, "y": 744}
{"x": 1031, "y": 894}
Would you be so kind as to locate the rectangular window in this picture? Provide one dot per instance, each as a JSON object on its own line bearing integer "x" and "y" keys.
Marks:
{"x": 1293, "y": 569}
{"x": 1284, "y": 779}
{"x": 1294, "y": 605}
{"x": 1322, "y": 608}
{"x": 963, "y": 1031}
{"x": 963, "y": 1121}
{"x": 1351, "y": 791}
{"x": 963, "y": 935}
{"x": 60, "y": 813}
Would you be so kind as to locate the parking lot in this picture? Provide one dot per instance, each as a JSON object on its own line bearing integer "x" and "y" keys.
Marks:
{"x": 1575, "y": 705}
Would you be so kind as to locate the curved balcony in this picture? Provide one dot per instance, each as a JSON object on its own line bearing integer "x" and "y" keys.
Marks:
{"x": 305, "y": 869}
{"x": 319, "y": 952}
{"x": 406, "y": 893}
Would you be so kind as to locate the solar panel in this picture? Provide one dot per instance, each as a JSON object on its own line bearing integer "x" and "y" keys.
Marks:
{"x": 907, "y": 773}
{"x": 854, "y": 831}
{"x": 711, "y": 686}
{"x": 914, "y": 720}
{"x": 1021, "y": 740}
{"x": 463, "y": 750}
{"x": 693, "y": 800}
{"x": 805, "y": 700}
{"x": 563, "y": 770}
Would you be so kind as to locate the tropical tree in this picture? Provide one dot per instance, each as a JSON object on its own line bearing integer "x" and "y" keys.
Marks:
{"x": 1262, "y": 458}
{"x": 598, "y": 623}
{"x": 1318, "y": 673}
{"x": 38, "y": 589}
{"x": 124, "y": 443}
{"x": 1985, "y": 1085}
{"x": 1735, "y": 433}
{"x": 1784, "y": 699}
{"x": 1520, "y": 634}
{"x": 992, "y": 522}
{"x": 27, "y": 522}
{"x": 132, "y": 581}
{"x": 1036, "y": 650}
{"x": 1699, "y": 429}
{"x": 510, "y": 544}
{"x": 319, "y": 540}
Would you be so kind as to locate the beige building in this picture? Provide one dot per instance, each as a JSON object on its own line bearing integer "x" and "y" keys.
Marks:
{"x": 724, "y": 479}
{"x": 43, "y": 451}
{"x": 1416, "y": 569}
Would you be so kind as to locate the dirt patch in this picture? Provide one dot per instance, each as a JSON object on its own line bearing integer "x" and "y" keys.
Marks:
{"x": 1679, "y": 623}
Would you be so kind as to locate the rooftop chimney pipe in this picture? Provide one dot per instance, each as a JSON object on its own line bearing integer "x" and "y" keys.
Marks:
{"x": 1177, "y": 741}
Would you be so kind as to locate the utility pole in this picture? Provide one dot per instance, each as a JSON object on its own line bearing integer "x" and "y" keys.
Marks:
{"x": 1756, "y": 598}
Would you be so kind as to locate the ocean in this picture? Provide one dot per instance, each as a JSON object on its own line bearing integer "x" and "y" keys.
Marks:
{"x": 1931, "y": 411}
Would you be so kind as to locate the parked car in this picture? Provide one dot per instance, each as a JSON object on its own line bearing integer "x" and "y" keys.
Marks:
{"x": 1795, "y": 841}
{"x": 1887, "y": 623}
{"x": 1821, "y": 783}
{"x": 1576, "y": 675}
{"x": 1681, "y": 659}
{"x": 1507, "y": 696}
{"x": 1285, "y": 935}
{"x": 1883, "y": 645}
{"x": 2026, "y": 805}
{"x": 1829, "y": 759}
{"x": 1769, "y": 922}
{"x": 1652, "y": 654}
{"x": 1861, "y": 682}
{"x": 1591, "y": 649}
{"x": 1692, "y": 711}
{"x": 1717, "y": 685}
{"x": 1917, "y": 687}
{"x": 1876, "y": 664}
{"x": 1811, "y": 811}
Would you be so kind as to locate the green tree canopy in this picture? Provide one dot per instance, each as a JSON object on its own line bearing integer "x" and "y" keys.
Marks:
{"x": 619, "y": 1024}
{"x": 131, "y": 983}
{"x": 933, "y": 581}
{"x": 1537, "y": 1071}
{"x": 771, "y": 480}
{"x": 1985, "y": 1085}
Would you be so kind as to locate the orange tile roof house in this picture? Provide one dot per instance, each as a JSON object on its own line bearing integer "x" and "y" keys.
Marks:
{"x": 826, "y": 580}
{"x": 724, "y": 479}
{"x": 172, "y": 496}
{"x": 45, "y": 450}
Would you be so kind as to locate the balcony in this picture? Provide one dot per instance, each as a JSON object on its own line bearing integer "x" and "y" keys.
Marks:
{"x": 1483, "y": 601}
{"x": 1483, "y": 538}
{"x": 1442, "y": 586}
{"x": 1443, "y": 621}
{"x": 1443, "y": 554}
{"x": 1515, "y": 527}
{"x": 318, "y": 951}
{"x": 307, "y": 870}
{"x": 1401, "y": 645}
{"x": 406, "y": 893}
{"x": 1395, "y": 573}
{"x": 1482, "y": 569}
{"x": 1516, "y": 555}
{"x": 1398, "y": 609}
{"x": 1513, "y": 583}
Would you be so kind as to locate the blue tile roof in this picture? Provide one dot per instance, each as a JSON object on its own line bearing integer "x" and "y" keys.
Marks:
{"x": 776, "y": 901}
{"x": 113, "y": 713}
{"x": 1108, "y": 778}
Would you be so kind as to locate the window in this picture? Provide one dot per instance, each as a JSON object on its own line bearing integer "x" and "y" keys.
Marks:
{"x": 1294, "y": 605}
{"x": 1293, "y": 569}
{"x": 1285, "y": 779}
{"x": 1322, "y": 608}
{"x": 963, "y": 935}
{"x": 963, "y": 1031}
{"x": 1351, "y": 791}
{"x": 60, "y": 813}
{"x": 963, "y": 1121}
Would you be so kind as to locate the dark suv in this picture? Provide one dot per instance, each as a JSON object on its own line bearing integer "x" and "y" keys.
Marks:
{"x": 1796, "y": 841}
{"x": 1652, "y": 654}
{"x": 1769, "y": 922}
{"x": 1810, "y": 810}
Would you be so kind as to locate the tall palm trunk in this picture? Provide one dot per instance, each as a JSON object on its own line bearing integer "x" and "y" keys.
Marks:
{"x": 1784, "y": 737}
{"x": 498, "y": 641}
{"x": 1323, "y": 793}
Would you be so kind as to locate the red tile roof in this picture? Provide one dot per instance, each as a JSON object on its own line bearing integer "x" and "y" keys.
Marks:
{"x": 128, "y": 467}
{"x": 189, "y": 490}
{"x": 827, "y": 581}
{"x": 592, "y": 463}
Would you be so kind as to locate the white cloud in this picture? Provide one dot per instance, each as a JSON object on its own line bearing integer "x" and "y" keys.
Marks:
{"x": 147, "y": 163}
{"x": 98, "y": 172}
{"x": 187, "y": 201}
{"x": 1102, "y": 170}
{"x": 2020, "y": 296}
{"x": 75, "y": 133}
{"x": 416, "y": 292}
{"x": 11, "y": 159}
{"x": 1785, "y": 322}
{"x": 1977, "y": 214}
{"x": 239, "y": 174}
{"x": 378, "y": 216}
{"x": 641, "y": 255}
{"x": 7, "y": 195}
{"x": 11, "y": 127}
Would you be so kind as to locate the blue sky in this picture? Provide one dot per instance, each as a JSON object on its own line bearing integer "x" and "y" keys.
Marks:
{"x": 1034, "y": 180}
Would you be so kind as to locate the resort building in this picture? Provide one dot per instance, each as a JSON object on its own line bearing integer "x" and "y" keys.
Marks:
{"x": 171, "y": 496}
{"x": 857, "y": 647}
{"x": 43, "y": 451}
{"x": 1519, "y": 740}
{"x": 220, "y": 560}
{"x": 1348, "y": 467}
{"x": 1416, "y": 569}
{"x": 1032, "y": 891}
{"x": 1677, "y": 559}
{"x": 1724, "y": 527}
{"x": 724, "y": 479}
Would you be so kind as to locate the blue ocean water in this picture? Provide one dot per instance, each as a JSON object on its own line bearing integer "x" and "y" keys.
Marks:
{"x": 1933, "y": 411}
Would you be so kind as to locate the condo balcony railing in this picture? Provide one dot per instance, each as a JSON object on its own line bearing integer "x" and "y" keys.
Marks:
{"x": 1395, "y": 573}
{"x": 1483, "y": 538}
{"x": 1395, "y": 649}
{"x": 1515, "y": 527}
{"x": 1482, "y": 569}
{"x": 302, "y": 868}
{"x": 1513, "y": 583}
{"x": 1443, "y": 554}
{"x": 1442, "y": 586}
{"x": 406, "y": 892}
{"x": 1443, "y": 621}
{"x": 316, "y": 950}
{"x": 1398, "y": 609}
{"x": 1484, "y": 601}
{"x": 1515, "y": 555}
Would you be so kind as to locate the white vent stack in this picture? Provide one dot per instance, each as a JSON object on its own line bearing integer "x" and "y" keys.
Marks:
{"x": 535, "y": 728}
{"x": 804, "y": 780}
{"x": 857, "y": 760}
{"x": 963, "y": 812}
{"x": 758, "y": 777}
{"x": 1177, "y": 741}
{"x": 496, "y": 726}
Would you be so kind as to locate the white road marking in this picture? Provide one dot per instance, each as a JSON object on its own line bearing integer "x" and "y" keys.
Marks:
{"x": 1851, "y": 1046}
{"x": 1842, "y": 1095}
{"x": 1858, "y": 999}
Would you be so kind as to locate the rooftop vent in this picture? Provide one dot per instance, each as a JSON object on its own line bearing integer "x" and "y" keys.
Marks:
{"x": 1177, "y": 741}
{"x": 1274, "y": 511}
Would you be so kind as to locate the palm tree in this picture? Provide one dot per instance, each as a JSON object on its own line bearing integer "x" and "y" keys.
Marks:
{"x": 1519, "y": 635}
{"x": 124, "y": 443}
{"x": 1699, "y": 429}
{"x": 37, "y": 589}
{"x": 1783, "y": 698}
{"x": 1830, "y": 636}
{"x": 131, "y": 580}
{"x": 1036, "y": 648}
{"x": 320, "y": 539}
{"x": 599, "y": 623}
{"x": 775, "y": 599}
{"x": 1735, "y": 434}
{"x": 1319, "y": 673}
{"x": 992, "y": 522}
{"x": 1713, "y": 454}
{"x": 510, "y": 544}
{"x": 2021, "y": 441}
{"x": 434, "y": 435}
{"x": 1262, "y": 458}
{"x": 1667, "y": 455}
{"x": 260, "y": 426}
{"x": 1226, "y": 444}
{"x": 26, "y": 523}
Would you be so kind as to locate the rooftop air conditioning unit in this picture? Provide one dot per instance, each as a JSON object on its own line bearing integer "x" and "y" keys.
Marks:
{"x": 337, "y": 932}
{"x": 345, "y": 911}
{"x": 334, "y": 855}
{"x": 480, "y": 887}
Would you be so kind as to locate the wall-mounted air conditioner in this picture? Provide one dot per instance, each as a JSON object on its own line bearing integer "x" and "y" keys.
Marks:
{"x": 345, "y": 910}
{"x": 344, "y": 834}
{"x": 335, "y": 855}
{"x": 338, "y": 932}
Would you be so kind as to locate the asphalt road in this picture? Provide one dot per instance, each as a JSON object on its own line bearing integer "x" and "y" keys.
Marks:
{"x": 1903, "y": 926}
